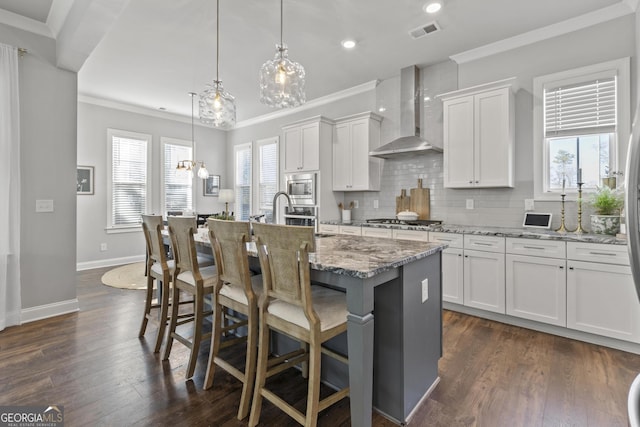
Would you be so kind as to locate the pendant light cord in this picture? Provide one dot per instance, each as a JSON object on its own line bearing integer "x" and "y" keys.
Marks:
{"x": 281, "y": 22}
{"x": 217, "y": 38}
{"x": 192, "y": 94}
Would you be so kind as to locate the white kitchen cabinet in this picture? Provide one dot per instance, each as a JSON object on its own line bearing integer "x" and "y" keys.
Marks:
{"x": 601, "y": 297}
{"x": 452, "y": 266}
{"x": 351, "y": 230}
{"x": 329, "y": 228}
{"x": 302, "y": 141}
{"x": 416, "y": 235}
{"x": 479, "y": 136}
{"x": 386, "y": 233}
{"x": 536, "y": 280}
{"x": 484, "y": 273}
{"x": 353, "y": 168}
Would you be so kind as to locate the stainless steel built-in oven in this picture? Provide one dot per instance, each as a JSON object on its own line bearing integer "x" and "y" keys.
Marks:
{"x": 301, "y": 215}
{"x": 301, "y": 188}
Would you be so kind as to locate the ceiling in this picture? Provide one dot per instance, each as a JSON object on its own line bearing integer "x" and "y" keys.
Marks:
{"x": 153, "y": 52}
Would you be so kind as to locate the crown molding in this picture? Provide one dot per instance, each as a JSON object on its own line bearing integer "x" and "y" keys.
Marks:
{"x": 323, "y": 100}
{"x": 624, "y": 7}
{"x": 23, "y": 23}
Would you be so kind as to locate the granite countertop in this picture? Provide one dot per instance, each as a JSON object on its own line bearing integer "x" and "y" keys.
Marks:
{"x": 527, "y": 233}
{"x": 356, "y": 256}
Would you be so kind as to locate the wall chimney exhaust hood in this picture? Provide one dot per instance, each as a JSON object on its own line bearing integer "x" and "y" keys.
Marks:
{"x": 410, "y": 142}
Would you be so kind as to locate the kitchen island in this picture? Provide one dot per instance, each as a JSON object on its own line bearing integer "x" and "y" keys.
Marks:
{"x": 394, "y": 332}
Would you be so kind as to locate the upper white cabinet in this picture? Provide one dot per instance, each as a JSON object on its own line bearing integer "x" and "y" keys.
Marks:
{"x": 479, "y": 136}
{"x": 302, "y": 142}
{"x": 353, "y": 168}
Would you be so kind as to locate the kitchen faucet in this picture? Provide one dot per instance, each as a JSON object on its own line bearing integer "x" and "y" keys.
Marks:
{"x": 278, "y": 194}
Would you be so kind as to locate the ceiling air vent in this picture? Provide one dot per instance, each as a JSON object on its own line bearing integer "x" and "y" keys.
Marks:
{"x": 423, "y": 30}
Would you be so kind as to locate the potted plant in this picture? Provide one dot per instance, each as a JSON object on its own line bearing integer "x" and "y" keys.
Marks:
{"x": 607, "y": 204}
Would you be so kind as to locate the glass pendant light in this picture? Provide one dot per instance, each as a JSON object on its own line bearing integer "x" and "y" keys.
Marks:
{"x": 217, "y": 107}
{"x": 203, "y": 173}
{"x": 281, "y": 79}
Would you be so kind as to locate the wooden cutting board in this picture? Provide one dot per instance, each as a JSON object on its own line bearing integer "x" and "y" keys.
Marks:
{"x": 420, "y": 201}
{"x": 403, "y": 202}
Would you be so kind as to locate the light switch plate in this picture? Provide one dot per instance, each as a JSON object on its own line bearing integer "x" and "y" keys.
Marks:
{"x": 469, "y": 203}
{"x": 529, "y": 205}
{"x": 44, "y": 205}
{"x": 375, "y": 204}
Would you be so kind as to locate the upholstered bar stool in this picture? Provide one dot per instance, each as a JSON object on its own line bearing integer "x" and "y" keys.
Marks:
{"x": 290, "y": 305}
{"x": 237, "y": 290}
{"x": 189, "y": 278}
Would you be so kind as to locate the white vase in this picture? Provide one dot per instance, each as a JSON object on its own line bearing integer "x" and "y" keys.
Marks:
{"x": 605, "y": 224}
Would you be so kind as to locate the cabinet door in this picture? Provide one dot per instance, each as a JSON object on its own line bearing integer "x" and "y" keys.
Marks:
{"x": 386, "y": 233}
{"x": 493, "y": 147}
{"x": 536, "y": 288}
{"x": 292, "y": 150}
{"x": 601, "y": 299}
{"x": 484, "y": 285}
{"x": 452, "y": 276}
{"x": 342, "y": 169}
{"x": 310, "y": 147}
{"x": 360, "y": 159}
{"x": 458, "y": 142}
{"x": 419, "y": 236}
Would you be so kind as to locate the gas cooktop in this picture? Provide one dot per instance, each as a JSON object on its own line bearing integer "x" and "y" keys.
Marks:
{"x": 394, "y": 221}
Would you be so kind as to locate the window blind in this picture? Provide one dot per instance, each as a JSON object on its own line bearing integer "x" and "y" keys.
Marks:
{"x": 178, "y": 187}
{"x": 243, "y": 182}
{"x": 129, "y": 180}
{"x": 580, "y": 109}
{"x": 268, "y": 175}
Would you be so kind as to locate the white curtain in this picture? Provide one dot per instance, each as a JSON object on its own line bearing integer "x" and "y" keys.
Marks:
{"x": 10, "y": 304}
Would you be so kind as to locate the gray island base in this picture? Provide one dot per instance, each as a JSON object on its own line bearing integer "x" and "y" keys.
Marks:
{"x": 394, "y": 335}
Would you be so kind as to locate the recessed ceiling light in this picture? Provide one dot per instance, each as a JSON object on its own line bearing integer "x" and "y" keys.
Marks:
{"x": 348, "y": 44}
{"x": 432, "y": 7}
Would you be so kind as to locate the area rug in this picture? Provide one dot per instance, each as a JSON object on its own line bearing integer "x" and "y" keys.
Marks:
{"x": 130, "y": 276}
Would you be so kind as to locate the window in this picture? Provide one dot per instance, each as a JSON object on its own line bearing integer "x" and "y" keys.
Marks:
{"x": 178, "y": 186}
{"x": 581, "y": 127}
{"x": 128, "y": 186}
{"x": 243, "y": 165}
{"x": 267, "y": 175}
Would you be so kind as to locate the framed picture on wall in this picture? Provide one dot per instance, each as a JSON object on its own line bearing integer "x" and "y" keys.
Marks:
{"x": 211, "y": 186}
{"x": 84, "y": 180}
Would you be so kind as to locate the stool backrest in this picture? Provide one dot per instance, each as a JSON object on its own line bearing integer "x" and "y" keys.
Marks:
{"x": 229, "y": 242}
{"x": 152, "y": 227}
{"x": 181, "y": 231}
{"x": 284, "y": 259}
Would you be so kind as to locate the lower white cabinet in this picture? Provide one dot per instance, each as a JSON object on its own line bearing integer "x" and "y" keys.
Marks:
{"x": 601, "y": 299}
{"x": 377, "y": 232}
{"x": 453, "y": 276}
{"x": 536, "y": 288}
{"x": 484, "y": 280}
{"x": 351, "y": 230}
{"x": 328, "y": 228}
{"x": 420, "y": 236}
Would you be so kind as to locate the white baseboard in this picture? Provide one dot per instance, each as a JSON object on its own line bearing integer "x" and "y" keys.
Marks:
{"x": 32, "y": 314}
{"x": 88, "y": 265}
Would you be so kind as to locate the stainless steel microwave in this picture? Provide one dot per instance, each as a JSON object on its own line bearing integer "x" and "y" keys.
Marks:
{"x": 301, "y": 188}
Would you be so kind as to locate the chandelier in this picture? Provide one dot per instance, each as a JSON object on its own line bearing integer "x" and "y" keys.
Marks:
{"x": 217, "y": 106}
{"x": 281, "y": 79}
{"x": 187, "y": 166}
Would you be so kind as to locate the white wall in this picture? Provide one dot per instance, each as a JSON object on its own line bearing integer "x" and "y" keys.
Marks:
{"x": 48, "y": 161}
{"x": 93, "y": 122}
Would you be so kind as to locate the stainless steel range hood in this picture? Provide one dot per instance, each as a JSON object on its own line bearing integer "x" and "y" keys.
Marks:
{"x": 410, "y": 142}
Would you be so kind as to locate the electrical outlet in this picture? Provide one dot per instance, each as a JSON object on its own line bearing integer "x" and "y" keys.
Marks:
{"x": 103, "y": 247}
{"x": 44, "y": 205}
{"x": 356, "y": 204}
{"x": 469, "y": 203}
{"x": 528, "y": 205}
{"x": 375, "y": 204}
{"x": 425, "y": 290}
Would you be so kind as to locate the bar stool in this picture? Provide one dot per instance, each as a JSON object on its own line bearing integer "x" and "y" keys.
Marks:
{"x": 238, "y": 290}
{"x": 190, "y": 278}
{"x": 290, "y": 305}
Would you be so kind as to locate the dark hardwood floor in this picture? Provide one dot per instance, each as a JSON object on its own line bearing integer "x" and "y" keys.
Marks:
{"x": 93, "y": 363}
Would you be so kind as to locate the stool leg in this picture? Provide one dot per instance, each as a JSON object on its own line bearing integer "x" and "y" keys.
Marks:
{"x": 197, "y": 334}
{"x": 147, "y": 306}
{"x": 215, "y": 344}
{"x": 313, "y": 396}
{"x": 175, "y": 303}
{"x": 164, "y": 312}
{"x": 249, "y": 366}
{"x": 261, "y": 374}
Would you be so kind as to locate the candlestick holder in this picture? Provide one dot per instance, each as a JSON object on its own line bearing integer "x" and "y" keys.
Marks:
{"x": 579, "y": 229}
{"x": 562, "y": 228}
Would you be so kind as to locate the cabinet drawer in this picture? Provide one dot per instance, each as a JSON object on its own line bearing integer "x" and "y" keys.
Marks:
{"x": 484, "y": 243}
{"x": 452, "y": 239}
{"x": 598, "y": 252}
{"x": 350, "y": 230}
{"x": 377, "y": 232}
{"x": 421, "y": 236}
{"x": 328, "y": 228}
{"x": 536, "y": 247}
